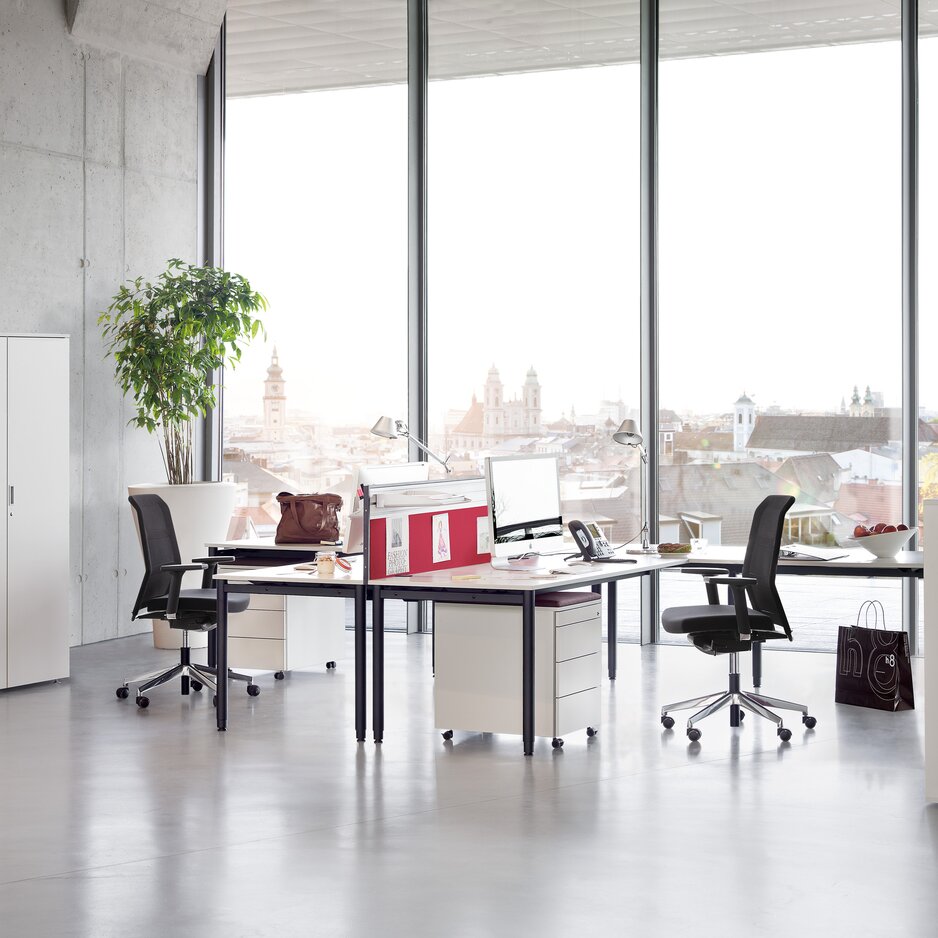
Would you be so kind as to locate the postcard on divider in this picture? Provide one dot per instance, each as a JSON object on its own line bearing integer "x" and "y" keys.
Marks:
{"x": 397, "y": 552}
{"x": 441, "y": 546}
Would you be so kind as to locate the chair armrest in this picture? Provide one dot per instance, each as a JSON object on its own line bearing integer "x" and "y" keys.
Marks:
{"x": 733, "y": 580}
{"x": 740, "y": 586}
{"x": 211, "y": 563}
{"x": 176, "y": 571}
{"x": 737, "y": 584}
{"x": 706, "y": 571}
{"x": 180, "y": 568}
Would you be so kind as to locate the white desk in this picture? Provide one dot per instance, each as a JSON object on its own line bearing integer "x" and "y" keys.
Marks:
{"x": 487, "y": 586}
{"x": 858, "y": 562}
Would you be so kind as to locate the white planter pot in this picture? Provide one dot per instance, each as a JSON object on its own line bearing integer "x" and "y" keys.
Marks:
{"x": 201, "y": 513}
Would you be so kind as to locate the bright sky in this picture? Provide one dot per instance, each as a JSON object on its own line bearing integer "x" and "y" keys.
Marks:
{"x": 779, "y": 248}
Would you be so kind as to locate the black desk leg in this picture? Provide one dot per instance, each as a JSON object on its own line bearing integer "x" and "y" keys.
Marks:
{"x": 221, "y": 655}
{"x": 527, "y": 671}
{"x": 377, "y": 662}
{"x": 212, "y": 657}
{"x": 360, "y": 675}
{"x": 611, "y": 627}
{"x": 757, "y": 664}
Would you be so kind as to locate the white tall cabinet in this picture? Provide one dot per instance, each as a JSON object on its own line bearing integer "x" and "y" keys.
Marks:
{"x": 931, "y": 649}
{"x": 34, "y": 457}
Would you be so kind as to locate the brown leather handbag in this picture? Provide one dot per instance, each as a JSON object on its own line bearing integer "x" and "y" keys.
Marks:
{"x": 308, "y": 519}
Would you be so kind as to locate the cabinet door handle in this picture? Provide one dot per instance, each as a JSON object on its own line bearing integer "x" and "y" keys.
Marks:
{"x": 11, "y": 496}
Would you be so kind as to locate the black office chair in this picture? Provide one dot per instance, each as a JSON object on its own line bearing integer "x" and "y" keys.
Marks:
{"x": 730, "y": 629}
{"x": 161, "y": 597}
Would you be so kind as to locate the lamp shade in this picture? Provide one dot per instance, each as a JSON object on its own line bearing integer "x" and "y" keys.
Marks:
{"x": 385, "y": 427}
{"x": 628, "y": 434}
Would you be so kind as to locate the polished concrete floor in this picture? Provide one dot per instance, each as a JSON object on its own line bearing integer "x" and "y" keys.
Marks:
{"x": 119, "y": 822}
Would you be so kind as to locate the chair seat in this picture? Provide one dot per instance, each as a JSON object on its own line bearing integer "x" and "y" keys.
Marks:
{"x": 707, "y": 618}
{"x": 712, "y": 629}
{"x": 195, "y": 605}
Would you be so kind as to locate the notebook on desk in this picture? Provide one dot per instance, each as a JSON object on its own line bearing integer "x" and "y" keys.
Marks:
{"x": 806, "y": 552}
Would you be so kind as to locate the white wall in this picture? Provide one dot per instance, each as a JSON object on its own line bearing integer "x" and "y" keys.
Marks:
{"x": 98, "y": 166}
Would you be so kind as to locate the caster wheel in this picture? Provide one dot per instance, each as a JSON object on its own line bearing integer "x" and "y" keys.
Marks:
{"x": 667, "y": 722}
{"x": 214, "y": 700}
{"x": 557, "y": 743}
{"x": 143, "y": 702}
{"x": 784, "y": 734}
{"x": 742, "y": 714}
{"x": 195, "y": 685}
{"x": 279, "y": 675}
{"x": 590, "y": 732}
{"x": 809, "y": 722}
{"x": 330, "y": 665}
{"x": 693, "y": 734}
{"x": 253, "y": 690}
{"x": 122, "y": 693}
{"x": 448, "y": 734}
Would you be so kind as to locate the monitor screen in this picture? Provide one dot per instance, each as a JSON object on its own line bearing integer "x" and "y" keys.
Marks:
{"x": 524, "y": 504}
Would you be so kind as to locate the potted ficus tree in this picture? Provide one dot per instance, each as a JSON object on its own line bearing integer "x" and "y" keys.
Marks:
{"x": 167, "y": 339}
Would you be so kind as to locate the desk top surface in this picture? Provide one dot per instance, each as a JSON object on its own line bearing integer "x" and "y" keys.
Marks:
{"x": 854, "y": 557}
{"x": 473, "y": 578}
{"x": 267, "y": 543}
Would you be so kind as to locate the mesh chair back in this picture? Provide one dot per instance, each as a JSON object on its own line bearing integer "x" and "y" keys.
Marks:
{"x": 158, "y": 541}
{"x": 765, "y": 538}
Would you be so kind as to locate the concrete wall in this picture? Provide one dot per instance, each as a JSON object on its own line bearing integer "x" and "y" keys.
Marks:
{"x": 98, "y": 168}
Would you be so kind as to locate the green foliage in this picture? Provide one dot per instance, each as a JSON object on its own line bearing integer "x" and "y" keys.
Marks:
{"x": 168, "y": 338}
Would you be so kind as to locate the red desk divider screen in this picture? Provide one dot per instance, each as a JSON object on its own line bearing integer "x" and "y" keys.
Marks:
{"x": 463, "y": 541}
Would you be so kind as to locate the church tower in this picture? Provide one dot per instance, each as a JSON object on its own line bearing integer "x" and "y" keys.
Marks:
{"x": 494, "y": 407}
{"x": 275, "y": 400}
{"x": 532, "y": 403}
{"x": 855, "y": 403}
{"x": 744, "y": 419}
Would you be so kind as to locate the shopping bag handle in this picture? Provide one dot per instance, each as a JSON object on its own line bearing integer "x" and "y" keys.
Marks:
{"x": 874, "y": 606}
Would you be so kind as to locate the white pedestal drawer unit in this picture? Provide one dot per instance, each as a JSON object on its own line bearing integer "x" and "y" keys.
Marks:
{"x": 286, "y": 633}
{"x": 34, "y": 457}
{"x": 477, "y": 683}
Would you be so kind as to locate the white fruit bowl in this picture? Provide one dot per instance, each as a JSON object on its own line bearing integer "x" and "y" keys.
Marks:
{"x": 884, "y": 546}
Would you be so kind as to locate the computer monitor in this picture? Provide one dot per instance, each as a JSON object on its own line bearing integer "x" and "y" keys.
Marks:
{"x": 524, "y": 505}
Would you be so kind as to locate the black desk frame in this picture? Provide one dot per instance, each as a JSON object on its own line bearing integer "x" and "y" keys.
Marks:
{"x": 359, "y": 593}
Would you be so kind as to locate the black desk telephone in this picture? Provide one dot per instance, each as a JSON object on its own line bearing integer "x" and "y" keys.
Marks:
{"x": 593, "y": 544}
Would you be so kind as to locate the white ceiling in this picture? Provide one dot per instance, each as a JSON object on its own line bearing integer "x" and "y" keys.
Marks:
{"x": 277, "y": 46}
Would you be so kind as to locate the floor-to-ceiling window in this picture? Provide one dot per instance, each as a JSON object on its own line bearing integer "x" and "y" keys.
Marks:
{"x": 780, "y": 292}
{"x": 316, "y": 217}
{"x": 533, "y": 245}
{"x": 780, "y": 287}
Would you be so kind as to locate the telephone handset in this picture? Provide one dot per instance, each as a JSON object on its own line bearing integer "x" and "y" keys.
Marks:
{"x": 590, "y": 540}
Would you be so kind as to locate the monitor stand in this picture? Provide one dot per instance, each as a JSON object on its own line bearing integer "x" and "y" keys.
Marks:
{"x": 518, "y": 563}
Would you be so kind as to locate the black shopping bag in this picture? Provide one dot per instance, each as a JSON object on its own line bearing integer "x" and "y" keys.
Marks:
{"x": 873, "y": 665}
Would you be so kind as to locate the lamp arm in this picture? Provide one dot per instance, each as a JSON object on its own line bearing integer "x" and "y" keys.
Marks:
{"x": 644, "y": 532}
{"x": 429, "y": 452}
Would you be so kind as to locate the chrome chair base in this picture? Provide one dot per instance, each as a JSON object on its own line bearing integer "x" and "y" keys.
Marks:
{"x": 738, "y": 701}
{"x": 191, "y": 675}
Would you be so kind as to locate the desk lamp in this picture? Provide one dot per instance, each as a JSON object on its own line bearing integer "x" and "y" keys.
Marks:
{"x": 392, "y": 429}
{"x": 628, "y": 434}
